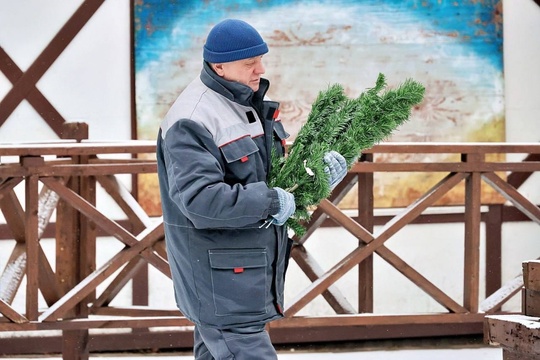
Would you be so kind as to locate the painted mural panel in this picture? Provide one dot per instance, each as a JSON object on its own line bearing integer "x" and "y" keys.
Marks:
{"x": 453, "y": 47}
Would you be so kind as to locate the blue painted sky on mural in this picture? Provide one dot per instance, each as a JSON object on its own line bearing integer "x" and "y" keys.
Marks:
{"x": 472, "y": 21}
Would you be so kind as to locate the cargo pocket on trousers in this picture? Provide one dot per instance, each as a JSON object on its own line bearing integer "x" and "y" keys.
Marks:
{"x": 238, "y": 281}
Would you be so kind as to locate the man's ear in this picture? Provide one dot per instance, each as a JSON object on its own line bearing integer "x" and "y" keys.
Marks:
{"x": 218, "y": 68}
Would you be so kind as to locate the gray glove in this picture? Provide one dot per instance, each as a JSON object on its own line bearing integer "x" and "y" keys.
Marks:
{"x": 336, "y": 168}
{"x": 287, "y": 207}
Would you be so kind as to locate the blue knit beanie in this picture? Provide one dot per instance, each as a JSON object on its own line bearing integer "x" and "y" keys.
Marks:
{"x": 232, "y": 40}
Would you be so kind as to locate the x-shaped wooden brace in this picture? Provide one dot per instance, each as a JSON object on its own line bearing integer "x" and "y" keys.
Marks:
{"x": 140, "y": 245}
{"x": 24, "y": 84}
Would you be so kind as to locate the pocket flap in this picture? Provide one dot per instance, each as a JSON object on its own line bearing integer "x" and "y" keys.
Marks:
{"x": 237, "y": 258}
{"x": 238, "y": 149}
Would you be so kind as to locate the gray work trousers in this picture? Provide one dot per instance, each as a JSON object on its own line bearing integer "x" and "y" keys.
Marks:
{"x": 248, "y": 343}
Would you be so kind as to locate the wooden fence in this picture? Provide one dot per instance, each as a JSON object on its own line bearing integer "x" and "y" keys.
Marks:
{"x": 59, "y": 181}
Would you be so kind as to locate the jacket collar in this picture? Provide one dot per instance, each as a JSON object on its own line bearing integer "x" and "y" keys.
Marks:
{"x": 233, "y": 90}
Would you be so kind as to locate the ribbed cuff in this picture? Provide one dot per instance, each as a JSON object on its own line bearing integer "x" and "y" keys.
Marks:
{"x": 275, "y": 206}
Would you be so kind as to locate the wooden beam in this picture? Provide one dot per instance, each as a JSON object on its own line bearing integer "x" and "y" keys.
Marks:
{"x": 518, "y": 333}
{"x": 27, "y": 82}
{"x": 355, "y": 257}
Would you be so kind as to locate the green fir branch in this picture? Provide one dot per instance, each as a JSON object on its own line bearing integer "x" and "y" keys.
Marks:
{"x": 345, "y": 125}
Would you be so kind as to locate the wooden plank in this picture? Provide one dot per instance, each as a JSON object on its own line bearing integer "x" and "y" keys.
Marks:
{"x": 511, "y": 194}
{"x": 41, "y": 64}
{"x": 473, "y": 201}
{"x": 516, "y": 332}
{"x": 509, "y": 354}
{"x": 394, "y": 260}
{"x": 373, "y": 319}
{"x": 108, "y": 225}
{"x": 125, "y": 200}
{"x": 104, "y": 322}
{"x": 13, "y": 273}
{"x": 531, "y": 274}
{"x": 75, "y": 345}
{"x": 144, "y": 240}
{"x": 454, "y": 148}
{"x": 499, "y": 297}
{"x": 494, "y": 221}
{"x": 355, "y": 257}
{"x": 517, "y": 179}
{"x": 319, "y": 216}
{"x": 12, "y": 209}
{"x": 35, "y": 97}
{"x": 313, "y": 271}
{"x": 125, "y": 275}
{"x": 32, "y": 246}
{"x": 445, "y": 167}
{"x": 11, "y": 313}
{"x": 72, "y": 148}
{"x": 366, "y": 201}
{"x": 531, "y": 302}
{"x": 87, "y": 237}
{"x": 48, "y": 284}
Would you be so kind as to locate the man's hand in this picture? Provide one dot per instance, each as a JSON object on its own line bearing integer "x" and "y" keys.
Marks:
{"x": 336, "y": 168}
{"x": 287, "y": 207}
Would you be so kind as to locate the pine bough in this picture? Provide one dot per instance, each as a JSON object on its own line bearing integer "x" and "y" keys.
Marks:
{"x": 345, "y": 125}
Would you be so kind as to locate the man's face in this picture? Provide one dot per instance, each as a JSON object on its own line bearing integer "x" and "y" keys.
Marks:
{"x": 246, "y": 71}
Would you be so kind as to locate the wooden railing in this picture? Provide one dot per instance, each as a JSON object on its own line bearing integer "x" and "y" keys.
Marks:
{"x": 59, "y": 180}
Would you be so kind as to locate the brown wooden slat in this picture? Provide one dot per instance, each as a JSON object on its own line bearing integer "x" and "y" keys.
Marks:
{"x": 105, "y": 223}
{"x": 517, "y": 179}
{"x": 48, "y": 56}
{"x": 531, "y": 210}
{"x": 318, "y": 216}
{"x": 137, "y": 311}
{"x": 366, "y": 204}
{"x": 370, "y": 320}
{"x": 32, "y": 245}
{"x": 11, "y": 313}
{"x": 394, "y": 260}
{"x": 13, "y": 273}
{"x": 73, "y": 148}
{"x": 454, "y": 148}
{"x": 473, "y": 191}
{"x": 494, "y": 221}
{"x": 39, "y": 102}
{"x": 12, "y": 209}
{"x": 88, "y": 237}
{"x": 125, "y": 275}
{"x": 145, "y": 240}
{"x": 126, "y": 202}
{"x": 97, "y": 169}
{"x": 99, "y": 323}
{"x": 313, "y": 271}
{"x": 360, "y": 254}
{"x": 502, "y": 295}
{"x": 446, "y": 167}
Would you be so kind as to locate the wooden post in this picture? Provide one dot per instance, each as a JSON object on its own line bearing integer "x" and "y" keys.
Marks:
{"x": 531, "y": 288}
{"x": 473, "y": 191}
{"x": 75, "y": 244}
{"x": 365, "y": 218}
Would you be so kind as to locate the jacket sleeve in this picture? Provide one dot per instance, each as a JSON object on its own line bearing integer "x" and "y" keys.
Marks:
{"x": 195, "y": 176}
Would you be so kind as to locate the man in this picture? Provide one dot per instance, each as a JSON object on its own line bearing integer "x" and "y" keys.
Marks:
{"x": 226, "y": 241}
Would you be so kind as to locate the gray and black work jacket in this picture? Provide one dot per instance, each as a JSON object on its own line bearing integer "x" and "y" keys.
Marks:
{"x": 214, "y": 156}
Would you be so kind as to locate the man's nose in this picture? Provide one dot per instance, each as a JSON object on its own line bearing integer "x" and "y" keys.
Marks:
{"x": 260, "y": 68}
